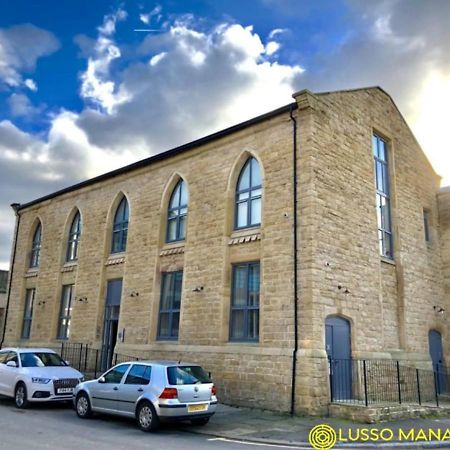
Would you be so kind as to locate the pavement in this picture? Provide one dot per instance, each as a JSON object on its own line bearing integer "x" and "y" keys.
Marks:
{"x": 275, "y": 429}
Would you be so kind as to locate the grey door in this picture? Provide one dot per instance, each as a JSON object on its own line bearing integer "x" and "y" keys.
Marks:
{"x": 437, "y": 357}
{"x": 111, "y": 321}
{"x": 338, "y": 347}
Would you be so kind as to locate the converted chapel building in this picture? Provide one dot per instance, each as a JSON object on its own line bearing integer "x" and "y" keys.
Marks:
{"x": 316, "y": 230}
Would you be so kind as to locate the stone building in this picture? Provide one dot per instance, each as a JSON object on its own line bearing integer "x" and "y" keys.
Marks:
{"x": 3, "y": 285}
{"x": 316, "y": 229}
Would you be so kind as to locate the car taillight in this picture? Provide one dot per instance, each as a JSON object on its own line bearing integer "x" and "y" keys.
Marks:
{"x": 169, "y": 393}
{"x": 214, "y": 390}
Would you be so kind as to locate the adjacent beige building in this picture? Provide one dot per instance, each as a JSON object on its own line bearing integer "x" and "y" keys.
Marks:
{"x": 3, "y": 290}
{"x": 317, "y": 228}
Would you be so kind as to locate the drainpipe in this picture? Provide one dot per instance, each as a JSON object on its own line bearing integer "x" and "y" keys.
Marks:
{"x": 295, "y": 236}
{"x": 15, "y": 207}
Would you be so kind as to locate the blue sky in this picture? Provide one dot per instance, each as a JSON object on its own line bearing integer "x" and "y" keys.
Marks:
{"x": 83, "y": 92}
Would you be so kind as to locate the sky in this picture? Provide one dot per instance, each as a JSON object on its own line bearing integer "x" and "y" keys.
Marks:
{"x": 90, "y": 86}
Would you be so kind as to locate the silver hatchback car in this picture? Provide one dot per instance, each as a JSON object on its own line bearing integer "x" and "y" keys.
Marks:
{"x": 150, "y": 391}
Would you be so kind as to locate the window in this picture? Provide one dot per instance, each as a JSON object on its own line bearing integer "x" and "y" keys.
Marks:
{"x": 244, "y": 323}
{"x": 120, "y": 228}
{"x": 114, "y": 376}
{"x": 383, "y": 198}
{"x": 426, "y": 225}
{"x": 36, "y": 247}
{"x": 139, "y": 374}
{"x": 179, "y": 375}
{"x": 169, "y": 311}
{"x": 177, "y": 213}
{"x": 248, "y": 196}
{"x": 74, "y": 238}
{"x": 28, "y": 313}
{"x": 65, "y": 312}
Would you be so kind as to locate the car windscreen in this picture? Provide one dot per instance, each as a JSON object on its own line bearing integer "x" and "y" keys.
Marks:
{"x": 187, "y": 375}
{"x": 41, "y": 359}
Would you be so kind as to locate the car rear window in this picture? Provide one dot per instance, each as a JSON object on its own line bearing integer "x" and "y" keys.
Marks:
{"x": 187, "y": 375}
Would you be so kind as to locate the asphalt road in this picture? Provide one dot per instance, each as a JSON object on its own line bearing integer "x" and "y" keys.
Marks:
{"x": 57, "y": 426}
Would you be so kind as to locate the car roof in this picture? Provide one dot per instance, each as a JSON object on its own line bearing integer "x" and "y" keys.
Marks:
{"x": 28, "y": 350}
{"x": 165, "y": 363}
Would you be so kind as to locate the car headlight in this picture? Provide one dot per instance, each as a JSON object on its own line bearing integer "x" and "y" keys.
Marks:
{"x": 40, "y": 380}
{"x": 80, "y": 380}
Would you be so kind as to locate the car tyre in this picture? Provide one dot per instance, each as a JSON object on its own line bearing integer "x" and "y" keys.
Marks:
{"x": 21, "y": 396}
{"x": 146, "y": 417}
{"x": 83, "y": 406}
{"x": 200, "y": 421}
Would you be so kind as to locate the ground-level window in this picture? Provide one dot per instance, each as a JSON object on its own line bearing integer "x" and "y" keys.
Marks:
{"x": 169, "y": 311}
{"x": 65, "y": 312}
{"x": 28, "y": 313}
{"x": 244, "y": 323}
{"x": 426, "y": 225}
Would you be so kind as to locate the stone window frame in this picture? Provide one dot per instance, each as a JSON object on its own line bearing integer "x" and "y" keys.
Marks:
{"x": 179, "y": 211}
{"x": 120, "y": 226}
{"x": 27, "y": 320}
{"x": 251, "y": 197}
{"x": 170, "y": 278}
{"x": 383, "y": 195}
{"x": 36, "y": 245}
{"x": 245, "y": 308}
{"x": 427, "y": 225}
{"x": 74, "y": 236}
{"x": 65, "y": 311}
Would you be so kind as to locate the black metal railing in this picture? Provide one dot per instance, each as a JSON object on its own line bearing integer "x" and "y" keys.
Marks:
{"x": 368, "y": 382}
{"x": 89, "y": 360}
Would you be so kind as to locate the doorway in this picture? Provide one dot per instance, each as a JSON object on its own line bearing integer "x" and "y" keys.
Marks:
{"x": 338, "y": 347}
{"x": 111, "y": 321}
{"x": 437, "y": 357}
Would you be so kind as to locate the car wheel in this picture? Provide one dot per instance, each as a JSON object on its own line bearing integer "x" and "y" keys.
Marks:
{"x": 20, "y": 396}
{"x": 146, "y": 417}
{"x": 83, "y": 406}
{"x": 200, "y": 421}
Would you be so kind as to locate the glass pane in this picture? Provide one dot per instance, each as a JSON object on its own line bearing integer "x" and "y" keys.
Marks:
{"x": 183, "y": 211}
{"x": 379, "y": 176}
{"x": 237, "y": 324}
{"x": 380, "y": 241}
{"x": 164, "y": 324}
{"x": 388, "y": 244}
{"x": 177, "y": 290}
{"x": 374, "y": 145}
{"x": 381, "y": 150}
{"x": 184, "y": 194}
{"x": 385, "y": 179}
{"x": 256, "y": 211}
{"x": 379, "y": 210}
{"x": 138, "y": 374}
{"x": 242, "y": 214}
{"x": 26, "y": 329}
{"x": 166, "y": 292}
{"x": 68, "y": 329}
{"x": 182, "y": 229}
{"x": 244, "y": 196}
{"x": 175, "y": 324}
{"x": 256, "y": 193}
{"x": 240, "y": 286}
{"x": 124, "y": 240}
{"x": 253, "y": 285}
{"x": 256, "y": 173}
{"x": 115, "y": 375}
{"x": 172, "y": 230}
{"x": 116, "y": 241}
{"x": 253, "y": 324}
{"x": 175, "y": 199}
{"x": 244, "y": 178}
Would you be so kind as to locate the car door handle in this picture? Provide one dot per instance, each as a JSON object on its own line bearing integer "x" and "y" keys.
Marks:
{"x": 140, "y": 390}
{"x": 115, "y": 389}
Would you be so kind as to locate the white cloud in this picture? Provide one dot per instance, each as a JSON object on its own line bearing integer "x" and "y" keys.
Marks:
{"x": 20, "y": 48}
{"x": 155, "y": 12}
{"x": 21, "y": 106}
{"x": 272, "y": 47}
{"x": 30, "y": 84}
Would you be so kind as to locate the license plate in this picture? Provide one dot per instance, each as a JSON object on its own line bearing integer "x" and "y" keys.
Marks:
{"x": 64, "y": 391}
{"x": 197, "y": 408}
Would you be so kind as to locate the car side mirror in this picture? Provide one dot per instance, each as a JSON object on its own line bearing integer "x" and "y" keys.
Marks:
{"x": 67, "y": 363}
{"x": 101, "y": 380}
{"x": 210, "y": 375}
{"x": 11, "y": 364}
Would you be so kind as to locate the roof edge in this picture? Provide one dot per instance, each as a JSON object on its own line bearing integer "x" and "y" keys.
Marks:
{"x": 160, "y": 156}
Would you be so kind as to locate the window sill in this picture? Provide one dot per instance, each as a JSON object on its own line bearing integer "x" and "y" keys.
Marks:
{"x": 34, "y": 272}
{"x": 243, "y": 236}
{"x": 69, "y": 266}
{"x": 115, "y": 258}
{"x": 172, "y": 248}
{"x": 388, "y": 261}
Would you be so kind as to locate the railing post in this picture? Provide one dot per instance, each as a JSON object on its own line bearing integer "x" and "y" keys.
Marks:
{"x": 62, "y": 350}
{"x": 418, "y": 386}
{"x": 85, "y": 356}
{"x": 96, "y": 362}
{"x": 330, "y": 370}
{"x": 80, "y": 357}
{"x": 399, "y": 384}
{"x": 436, "y": 392}
{"x": 366, "y": 396}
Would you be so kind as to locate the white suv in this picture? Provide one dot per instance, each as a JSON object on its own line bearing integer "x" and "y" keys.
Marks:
{"x": 36, "y": 375}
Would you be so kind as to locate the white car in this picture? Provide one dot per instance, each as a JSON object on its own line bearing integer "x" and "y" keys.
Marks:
{"x": 36, "y": 375}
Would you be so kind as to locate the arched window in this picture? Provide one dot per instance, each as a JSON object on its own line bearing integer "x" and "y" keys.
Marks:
{"x": 177, "y": 213}
{"x": 36, "y": 246}
{"x": 74, "y": 238}
{"x": 120, "y": 228}
{"x": 248, "y": 196}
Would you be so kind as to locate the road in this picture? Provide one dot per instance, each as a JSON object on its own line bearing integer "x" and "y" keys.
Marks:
{"x": 57, "y": 426}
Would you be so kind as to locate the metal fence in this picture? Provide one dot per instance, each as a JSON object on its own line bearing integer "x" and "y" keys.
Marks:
{"x": 90, "y": 361}
{"x": 368, "y": 382}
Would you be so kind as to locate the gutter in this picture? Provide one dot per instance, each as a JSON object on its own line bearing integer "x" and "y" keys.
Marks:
{"x": 15, "y": 207}
{"x": 295, "y": 236}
